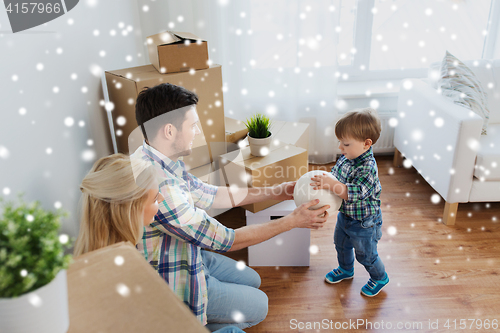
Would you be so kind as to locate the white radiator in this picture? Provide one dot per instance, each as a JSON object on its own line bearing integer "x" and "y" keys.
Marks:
{"x": 385, "y": 143}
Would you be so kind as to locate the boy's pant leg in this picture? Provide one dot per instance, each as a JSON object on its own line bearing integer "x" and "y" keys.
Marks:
{"x": 233, "y": 297}
{"x": 365, "y": 237}
{"x": 343, "y": 244}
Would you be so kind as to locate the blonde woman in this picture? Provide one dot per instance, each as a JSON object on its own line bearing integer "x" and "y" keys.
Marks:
{"x": 119, "y": 198}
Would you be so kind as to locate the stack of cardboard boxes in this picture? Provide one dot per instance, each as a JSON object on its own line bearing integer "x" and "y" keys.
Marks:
{"x": 180, "y": 59}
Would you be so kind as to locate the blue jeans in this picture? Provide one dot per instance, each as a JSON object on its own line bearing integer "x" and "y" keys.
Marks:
{"x": 233, "y": 297}
{"x": 363, "y": 237}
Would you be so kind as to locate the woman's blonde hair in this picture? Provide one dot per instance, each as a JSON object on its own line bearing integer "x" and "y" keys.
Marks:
{"x": 113, "y": 196}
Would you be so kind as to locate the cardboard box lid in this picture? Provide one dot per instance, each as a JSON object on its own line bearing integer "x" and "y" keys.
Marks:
{"x": 294, "y": 133}
{"x": 234, "y": 125}
{"x": 114, "y": 289}
{"x": 235, "y": 129}
{"x": 279, "y": 151}
{"x": 170, "y": 37}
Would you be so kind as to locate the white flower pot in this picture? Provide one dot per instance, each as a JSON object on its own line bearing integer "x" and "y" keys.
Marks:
{"x": 44, "y": 310}
{"x": 260, "y": 147}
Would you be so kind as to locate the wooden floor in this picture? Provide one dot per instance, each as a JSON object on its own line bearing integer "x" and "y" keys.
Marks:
{"x": 436, "y": 272}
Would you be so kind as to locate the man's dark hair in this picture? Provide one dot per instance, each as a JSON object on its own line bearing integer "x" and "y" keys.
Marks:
{"x": 160, "y": 99}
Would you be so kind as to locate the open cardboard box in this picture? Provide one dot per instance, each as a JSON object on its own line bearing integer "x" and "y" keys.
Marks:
{"x": 172, "y": 52}
{"x": 124, "y": 86}
{"x": 114, "y": 289}
{"x": 283, "y": 163}
{"x": 204, "y": 173}
{"x": 292, "y": 133}
{"x": 235, "y": 130}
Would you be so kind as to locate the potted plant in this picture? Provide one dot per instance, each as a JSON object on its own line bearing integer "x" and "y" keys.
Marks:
{"x": 33, "y": 289}
{"x": 259, "y": 134}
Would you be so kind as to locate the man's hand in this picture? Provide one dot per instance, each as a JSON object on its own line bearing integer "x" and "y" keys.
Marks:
{"x": 303, "y": 217}
{"x": 283, "y": 191}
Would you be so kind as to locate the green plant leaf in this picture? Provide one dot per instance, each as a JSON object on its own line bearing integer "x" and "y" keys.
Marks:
{"x": 258, "y": 126}
{"x": 31, "y": 254}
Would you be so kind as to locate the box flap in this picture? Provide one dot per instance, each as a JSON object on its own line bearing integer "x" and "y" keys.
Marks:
{"x": 165, "y": 37}
{"x": 133, "y": 72}
{"x": 170, "y": 37}
{"x": 187, "y": 35}
{"x": 276, "y": 126}
{"x": 295, "y": 133}
{"x": 114, "y": 289}
{"x": 234, "y": 125}
{"x": 203, "y": 172}
{"x": 235, "y": 130}
{"x": 148, "y": 72}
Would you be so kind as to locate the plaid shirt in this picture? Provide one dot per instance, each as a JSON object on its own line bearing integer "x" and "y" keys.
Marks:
{"x": 360, "y": 175}
{"x": 172, "y": 243}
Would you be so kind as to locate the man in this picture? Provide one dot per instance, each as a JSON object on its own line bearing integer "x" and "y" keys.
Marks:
{"x": 216, "y": 291}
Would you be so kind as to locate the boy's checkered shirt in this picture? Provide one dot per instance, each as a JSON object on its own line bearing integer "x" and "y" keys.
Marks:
{"x": 360, "y": 175}
{"x": 172, "y": 243}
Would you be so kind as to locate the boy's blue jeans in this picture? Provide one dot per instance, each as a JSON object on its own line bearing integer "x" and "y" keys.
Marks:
{"x": 363, "y": 237}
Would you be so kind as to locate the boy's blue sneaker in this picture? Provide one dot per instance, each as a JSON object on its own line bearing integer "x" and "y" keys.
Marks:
{"x": 338, "y": 274}
{"x": 372, "y": 287}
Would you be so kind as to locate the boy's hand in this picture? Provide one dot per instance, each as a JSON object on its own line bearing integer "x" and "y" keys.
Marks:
{"x": 323, "y": 182}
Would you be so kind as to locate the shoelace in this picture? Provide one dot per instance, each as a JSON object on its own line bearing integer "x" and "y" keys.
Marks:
{"x": 371, "y": 284}
{"x": 337, "y": 271}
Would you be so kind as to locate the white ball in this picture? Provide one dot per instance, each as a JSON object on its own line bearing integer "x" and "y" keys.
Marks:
{"x": 304, "y": 192}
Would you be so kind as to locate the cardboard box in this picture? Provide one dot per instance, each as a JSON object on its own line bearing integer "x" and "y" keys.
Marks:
{"x": 115, "y": 290}
{"x": 203, "y": 172}
{"x": 212, "y": 175}
{"x": 284, "y": 163}
{"x": 124, "y": 86}
{"x": 235, "y": 130}
{"x": 172, "y": 52}
{"x": 290, "y": 248}
{"x": 292, "y": 133}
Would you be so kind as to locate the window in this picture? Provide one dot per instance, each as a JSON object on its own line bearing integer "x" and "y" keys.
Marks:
{"x": 401, "y": 38}
{"x": 346, "y": 28}
{"x": 289, "y": 34}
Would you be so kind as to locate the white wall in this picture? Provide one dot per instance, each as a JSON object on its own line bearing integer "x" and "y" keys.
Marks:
{"x": 25, "y": 165}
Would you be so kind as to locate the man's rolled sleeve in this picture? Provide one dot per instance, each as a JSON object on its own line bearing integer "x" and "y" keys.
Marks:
{"x": 203, "y": 194}
{"x": 362, "y": 185}
{"x": 177, "y": 217}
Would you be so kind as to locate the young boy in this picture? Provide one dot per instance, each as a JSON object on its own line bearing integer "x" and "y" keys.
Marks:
{"x": 359, "y": 220}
